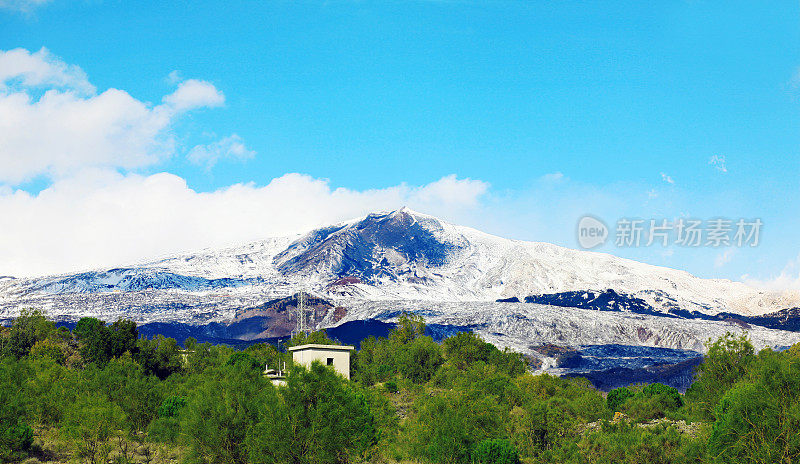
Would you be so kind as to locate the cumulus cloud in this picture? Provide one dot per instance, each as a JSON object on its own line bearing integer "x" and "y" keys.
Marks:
{"x": 70, "y": 127}
{"x": 100, "y": 217}
{"x": 19, "y": 66}
{"x": 448, "y": 190}
{"x": 718, "y": 162}
{"x": 666, "y": 178}
{"x": 194, "y": 94}
{"x": 230, "y": 147}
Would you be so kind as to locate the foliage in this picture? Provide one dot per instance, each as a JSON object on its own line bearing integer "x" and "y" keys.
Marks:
{"x": 727, "y": 361}
{"x": 617, "y": 397}
{"x": 419, "y": 359}
{"x": 100, "y": 389}
{"x": 757, "y": 420}
{"x": 222, "y": 408}
{"x": 467, "y": 348}
{"x": 30, "y": 327}
{"x": 101, "y": 343}
{"x": 243, "y": 359}
{"x": 445, "y": 428}
{"x": 623, "y": 442}
{"x": 651, "y": 401}
{"x": 90, "y": 425}
{"x": 550, "y": 412}
{"x": 409, "y": 327}
{"x": 391, "y": 386}
{"x": 171, "y": 406}
{"x": 316, "y": 418}
{"x": 15, "y": 433}
{"x": 159, "y": 356}
{"x": 497, "y": 451}
{"x": 319, "y": 337}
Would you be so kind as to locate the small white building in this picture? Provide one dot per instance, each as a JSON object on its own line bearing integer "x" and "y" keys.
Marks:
{"x": 336, "y": 356}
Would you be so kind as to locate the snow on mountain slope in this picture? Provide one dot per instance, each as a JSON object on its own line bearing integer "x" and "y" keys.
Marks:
{"x": 399, "y": 255}
{"x": 407, "y": 255}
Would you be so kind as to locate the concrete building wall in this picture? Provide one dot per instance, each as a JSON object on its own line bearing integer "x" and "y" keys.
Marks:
{"x": 329, "y": 355}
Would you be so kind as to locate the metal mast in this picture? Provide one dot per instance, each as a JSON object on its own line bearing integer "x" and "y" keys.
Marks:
{"x": 303, "y": 315}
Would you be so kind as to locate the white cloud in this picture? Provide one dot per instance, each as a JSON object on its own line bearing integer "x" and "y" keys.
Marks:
{"x": 174, "y": 77}
{"x": 718, "y": 162}
{"x": 194, "y": 94}
{"x": 230, "y": 147}
{"x": 448, "y": 190}
{"x": 70, "y": 127}
{"x": 21, "y": 5}
{"x": 787, "y": 280}
{"x": 667, "y": 178}
{"x": 40, "y": 69}
{"x": 103, "y": 218}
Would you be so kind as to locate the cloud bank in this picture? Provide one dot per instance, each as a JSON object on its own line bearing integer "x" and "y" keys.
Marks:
{"x": 101, "y": 218}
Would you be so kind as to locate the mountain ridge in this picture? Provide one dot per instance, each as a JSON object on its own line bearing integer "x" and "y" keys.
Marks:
{"x": 405, "y": 255}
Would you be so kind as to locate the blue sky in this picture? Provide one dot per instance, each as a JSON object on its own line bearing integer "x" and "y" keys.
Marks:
{"x": 556, "y": 108}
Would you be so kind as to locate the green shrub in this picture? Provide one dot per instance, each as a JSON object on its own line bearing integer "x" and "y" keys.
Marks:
{"x": 317, "y": 418}
{"x": 391, "y": 386}
{"x": 757, "y": 420}
{"x": 617, "y": 397}
{"x": 497, "y": 451}
{"x": 624, "y": 442}
{"x": 670, "y": 397}
{"x": 164, "y": 430}
{"x": 171, "y": 406}
{"x": 728, "y": 360}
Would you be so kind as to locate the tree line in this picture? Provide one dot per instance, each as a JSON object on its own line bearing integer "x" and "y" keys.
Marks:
{"x": 100, "y": 394}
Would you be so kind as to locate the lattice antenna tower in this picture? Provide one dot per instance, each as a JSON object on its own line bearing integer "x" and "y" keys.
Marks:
{"x": 303, "y": 315}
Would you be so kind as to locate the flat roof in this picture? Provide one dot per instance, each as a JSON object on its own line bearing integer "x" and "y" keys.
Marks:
{"x": 319, "y": 346}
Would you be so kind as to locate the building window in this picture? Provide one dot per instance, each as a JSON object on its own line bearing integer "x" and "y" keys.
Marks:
{"x": 330, "y": 361}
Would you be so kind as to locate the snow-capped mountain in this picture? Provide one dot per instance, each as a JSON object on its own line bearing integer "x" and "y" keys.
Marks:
{"x": 404, "y": 255}
{"x": 403, "y": 259}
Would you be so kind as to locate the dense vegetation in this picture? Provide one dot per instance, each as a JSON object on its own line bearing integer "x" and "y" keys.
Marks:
{"x": 101, "y": 394}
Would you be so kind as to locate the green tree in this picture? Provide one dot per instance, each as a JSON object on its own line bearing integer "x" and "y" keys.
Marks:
{"x": 30, "y": 327}
{"x": 727, "y": 361}
{"x": 15, "y": 434}
{"x": 409, "y": 326}
{"x": 94, "y": 337}
{"x": 244, "y": 359}
{"x": 223, "y": 407}
{"x": 139, "y": 395}
{"x": 628, "y": 443}
{"x": 90, "y": 425}
{"x": 617, "y": 397}
{"x": 319, "y": 337}
{"x": 467, "y": 348}
{"x": 159, "y": 356}
{"x": 317, "y": 418}
{"x": 444, "y": 428}
{"x": 757, "y": 420}
{"x": 419, "y": 359}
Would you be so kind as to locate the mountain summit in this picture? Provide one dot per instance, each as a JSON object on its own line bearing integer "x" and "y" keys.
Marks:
{"x": 364, "y": 272}
{"x": 405, "y": 255}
